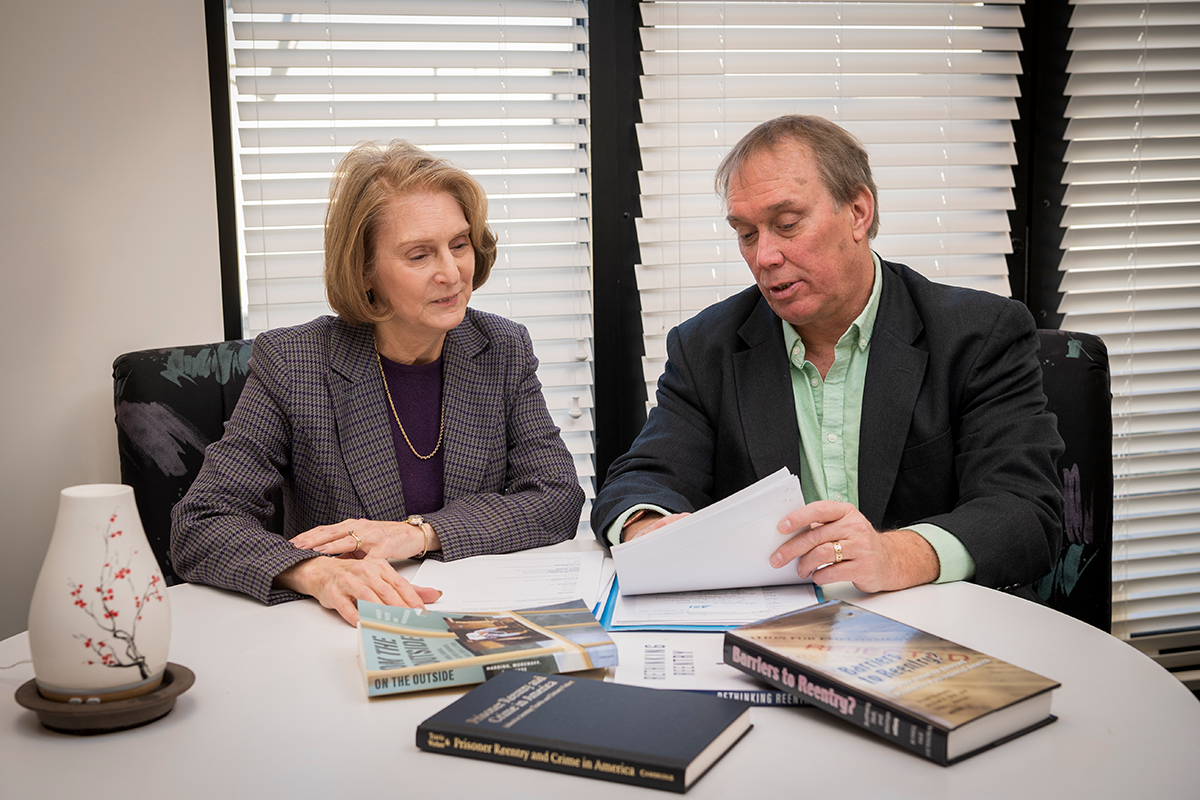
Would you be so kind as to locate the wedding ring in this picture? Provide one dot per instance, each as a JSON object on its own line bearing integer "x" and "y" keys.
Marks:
{"x": 837, "y": 552}
{"x": 358, "y": 543}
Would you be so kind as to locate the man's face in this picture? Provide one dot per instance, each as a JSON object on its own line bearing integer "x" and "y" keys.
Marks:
{"x": 810, "y": 259}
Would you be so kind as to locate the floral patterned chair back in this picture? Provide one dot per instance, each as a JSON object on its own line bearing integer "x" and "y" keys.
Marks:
{"x": 1075, "y": 376}
{"x": 170, "y": 405}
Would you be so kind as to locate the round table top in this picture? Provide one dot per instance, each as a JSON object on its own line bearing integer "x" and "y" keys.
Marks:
{"x": 279, "y": 709}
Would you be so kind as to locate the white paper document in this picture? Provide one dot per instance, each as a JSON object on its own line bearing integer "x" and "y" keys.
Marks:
{"x": 693, "y": 662}
{"x": 726, "y": 545}
{"x": 526, "y": 579}
{"x": 711, "y": 608}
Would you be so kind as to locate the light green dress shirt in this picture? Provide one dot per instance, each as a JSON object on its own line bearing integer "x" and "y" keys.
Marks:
{"x": 828, "y": 412}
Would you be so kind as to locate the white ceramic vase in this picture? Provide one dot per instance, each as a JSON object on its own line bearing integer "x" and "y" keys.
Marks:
{"x": 100, "y": 621}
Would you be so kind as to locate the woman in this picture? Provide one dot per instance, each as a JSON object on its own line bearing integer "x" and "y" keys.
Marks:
{"x": 410, "y": 425}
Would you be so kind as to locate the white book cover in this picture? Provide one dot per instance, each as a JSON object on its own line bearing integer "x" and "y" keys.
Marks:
{"x": 727, "y": 545}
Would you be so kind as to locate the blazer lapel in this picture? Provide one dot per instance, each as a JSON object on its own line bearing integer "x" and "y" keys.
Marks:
{"x": 472, "y": 408}
{"x": 765, "y": 403}
{"x": 895, "y": 370}
{"x": 356, "y": 391}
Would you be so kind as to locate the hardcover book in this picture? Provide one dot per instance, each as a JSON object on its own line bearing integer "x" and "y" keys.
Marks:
{"x": 407, "y": 650}
{"x": 571, "y": 724}
{"x": 920, "y": 691}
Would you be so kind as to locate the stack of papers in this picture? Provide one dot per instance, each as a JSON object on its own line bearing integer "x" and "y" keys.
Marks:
{"x": 527, "y": 579}
{"x": 712, "y": 610}
{"x": 727, "y": 545}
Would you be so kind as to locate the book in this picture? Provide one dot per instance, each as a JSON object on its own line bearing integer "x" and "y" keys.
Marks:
{"x": 690, "y": 662}
{"x": 920, "y": 691}
{"x": 408, "y": 650}
{"x": 726, "y": 545}
{"x": 572, "y": 724}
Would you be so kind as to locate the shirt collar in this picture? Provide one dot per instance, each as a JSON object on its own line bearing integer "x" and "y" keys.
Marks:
{"x": 860, "y": 329}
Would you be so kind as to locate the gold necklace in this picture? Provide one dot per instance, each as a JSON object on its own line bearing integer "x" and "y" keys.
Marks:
{"x": 441, "y": 421}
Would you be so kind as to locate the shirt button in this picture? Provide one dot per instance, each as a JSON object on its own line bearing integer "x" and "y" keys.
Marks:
{"x": 837, "y": 497}
{"x": 862, "y": 343}
{"x": 815, "y": 382}
{"x": 831, "y": 438}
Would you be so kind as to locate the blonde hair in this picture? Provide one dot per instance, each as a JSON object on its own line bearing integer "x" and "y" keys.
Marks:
{"x": 840, "y": 158}
{"x": 366, "y": 181}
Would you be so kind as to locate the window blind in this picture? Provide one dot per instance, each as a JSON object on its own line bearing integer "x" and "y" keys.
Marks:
{"x": 501, "y": 89}
{"x": 1131, "y": 273}
{"x": 929, "y": 87}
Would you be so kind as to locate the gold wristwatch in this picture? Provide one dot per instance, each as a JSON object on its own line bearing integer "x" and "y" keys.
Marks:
{"x": 418, "y": 521}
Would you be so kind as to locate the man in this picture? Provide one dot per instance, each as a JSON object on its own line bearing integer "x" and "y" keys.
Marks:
{"x": 913, "y": 412}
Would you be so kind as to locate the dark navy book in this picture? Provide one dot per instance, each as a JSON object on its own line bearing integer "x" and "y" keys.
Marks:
{"x": 566, "y": 723}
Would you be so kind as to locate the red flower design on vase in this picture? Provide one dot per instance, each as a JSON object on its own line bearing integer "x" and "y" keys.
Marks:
{"x": 116, "y": 589}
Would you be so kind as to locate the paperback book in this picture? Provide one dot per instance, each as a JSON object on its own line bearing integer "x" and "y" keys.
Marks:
{"x": 934, "y": 697}
{"x": 571, "y": 724}
{"x": 408, "y": 650}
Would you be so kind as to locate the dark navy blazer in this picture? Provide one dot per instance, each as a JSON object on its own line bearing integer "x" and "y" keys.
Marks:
{"x": 954, "y": 430}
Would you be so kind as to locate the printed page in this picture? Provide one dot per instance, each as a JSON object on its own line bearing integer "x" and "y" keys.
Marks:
{"x": 526, "y": 579}
{"x": 688, "y": 661}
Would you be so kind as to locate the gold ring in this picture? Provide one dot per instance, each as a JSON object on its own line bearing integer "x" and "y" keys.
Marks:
{"x": 837, "y": 552}
{"x": 358, "y": 541}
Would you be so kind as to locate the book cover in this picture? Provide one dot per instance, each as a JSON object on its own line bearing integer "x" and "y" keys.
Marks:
{"x": 925, "y": 693}
{"x": 407, "y": 650}
{"x": 690, "y": 662}
{"x": 571, "y": 724}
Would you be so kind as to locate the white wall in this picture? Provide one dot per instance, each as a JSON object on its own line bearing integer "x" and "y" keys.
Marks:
{"x": 108, "y": 240}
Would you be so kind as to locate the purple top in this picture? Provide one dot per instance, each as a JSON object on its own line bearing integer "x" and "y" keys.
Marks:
{"x": 417, "y": 394}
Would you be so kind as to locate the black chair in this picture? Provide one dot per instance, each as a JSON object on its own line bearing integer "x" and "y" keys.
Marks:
{"x": 171, "y": 404}
{"x": 1075, "y": 375}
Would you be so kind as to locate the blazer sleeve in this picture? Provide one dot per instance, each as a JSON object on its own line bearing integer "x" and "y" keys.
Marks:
{"x": 538, "y": 500}
{"x": 219, "y": 533}
{"x": 1008, "y": 508}
{"x": 670, "y": 464}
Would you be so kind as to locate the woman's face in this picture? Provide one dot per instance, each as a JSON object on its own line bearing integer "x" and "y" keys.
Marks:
{"x": 424, "y": 263}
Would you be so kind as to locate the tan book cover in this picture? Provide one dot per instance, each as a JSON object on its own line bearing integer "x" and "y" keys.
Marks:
{"x": 931, "y": 695}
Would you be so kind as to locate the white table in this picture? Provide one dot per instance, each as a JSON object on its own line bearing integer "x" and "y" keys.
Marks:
{"x": 279, "y": 710}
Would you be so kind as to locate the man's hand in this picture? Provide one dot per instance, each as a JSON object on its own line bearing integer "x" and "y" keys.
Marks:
{"x": 339, "y": 583}
{"x": 872, "y": 561}
{"x": 650, "y": 521}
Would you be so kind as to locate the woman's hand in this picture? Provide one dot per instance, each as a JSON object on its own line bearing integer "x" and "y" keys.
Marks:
{"x": 365, "y": 538}
{"x": 340, "y": 583}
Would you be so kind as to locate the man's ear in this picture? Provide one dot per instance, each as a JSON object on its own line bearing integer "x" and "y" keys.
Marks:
{"x": 862, "y": 213}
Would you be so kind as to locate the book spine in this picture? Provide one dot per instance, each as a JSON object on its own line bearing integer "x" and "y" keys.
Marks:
{"x": 486, "y": 747}
{"x": 838, "y": 698}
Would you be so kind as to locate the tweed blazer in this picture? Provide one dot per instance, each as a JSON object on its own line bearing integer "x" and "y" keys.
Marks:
{"x": 311, "y": 426}
{"x": 953, "y": 431}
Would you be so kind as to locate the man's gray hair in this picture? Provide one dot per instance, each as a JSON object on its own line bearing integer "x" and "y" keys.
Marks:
{"x": 840, "y": 157}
